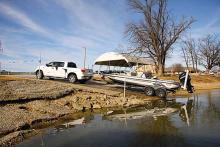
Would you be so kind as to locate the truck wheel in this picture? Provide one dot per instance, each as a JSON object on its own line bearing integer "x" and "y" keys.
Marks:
{"x": 72, "y": 78}
{"x": 39, "y": 74}
{"x": 149, "y": 91}
{"x": 160, "y": 92}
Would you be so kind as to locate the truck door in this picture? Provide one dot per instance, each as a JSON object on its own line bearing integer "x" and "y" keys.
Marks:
{"x": 59, "y": 70}
{"x": 49, "y": 69}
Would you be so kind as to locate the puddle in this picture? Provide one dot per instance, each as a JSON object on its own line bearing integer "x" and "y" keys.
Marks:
{"x": 157, "y": 124}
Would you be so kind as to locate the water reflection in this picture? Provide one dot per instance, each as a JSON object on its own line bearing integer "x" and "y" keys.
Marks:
{"x": 87, "y": 118}
{"x": 160, "y": 132}
{"x": 202, "y": 109}
{"x": 168, "y": 130}
{"x": 185, "y": 111}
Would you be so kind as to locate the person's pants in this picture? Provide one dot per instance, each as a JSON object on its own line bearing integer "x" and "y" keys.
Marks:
{"x": 189, "y": 86}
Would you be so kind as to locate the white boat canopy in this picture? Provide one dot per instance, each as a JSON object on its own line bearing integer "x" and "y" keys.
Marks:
{"x": 122, "y": 60}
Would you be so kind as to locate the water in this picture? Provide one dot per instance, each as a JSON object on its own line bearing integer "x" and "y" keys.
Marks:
{"x": 203, "y": 128}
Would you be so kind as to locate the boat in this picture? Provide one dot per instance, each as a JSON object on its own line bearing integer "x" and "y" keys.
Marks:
{"x": 151, "y": 86}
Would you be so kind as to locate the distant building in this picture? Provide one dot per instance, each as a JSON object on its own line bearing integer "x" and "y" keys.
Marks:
{"x": 171, "y": 70}
{"x": 4, "y": 72}
{"x": 146, "y": 68}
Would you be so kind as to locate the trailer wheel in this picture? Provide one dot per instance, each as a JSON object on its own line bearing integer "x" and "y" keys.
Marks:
{"x": 160, "y": 92}
{"x": 149, "y": 91}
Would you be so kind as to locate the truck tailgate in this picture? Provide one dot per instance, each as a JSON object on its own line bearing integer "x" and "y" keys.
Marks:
{"x": 88, "y": 72}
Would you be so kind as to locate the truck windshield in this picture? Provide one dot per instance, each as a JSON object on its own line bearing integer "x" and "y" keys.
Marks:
{"x": 71, "y": 65}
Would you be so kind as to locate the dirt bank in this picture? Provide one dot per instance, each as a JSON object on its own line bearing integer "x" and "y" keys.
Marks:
{"x": 25, "y": 103}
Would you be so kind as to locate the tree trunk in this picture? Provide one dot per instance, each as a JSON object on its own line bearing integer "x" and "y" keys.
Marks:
{"x": 192, "y": 58}
{"x": 196, "y": 67}
{"x": 161, "y": 70}
{"x": 209, "y": 67}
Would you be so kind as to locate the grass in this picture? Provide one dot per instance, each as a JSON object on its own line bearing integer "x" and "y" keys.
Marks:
{"x": 195, "y": 78}
{"x": 200, "y": 82}
{"x": 10, "y": 78}
{"x": 19, "y": 88}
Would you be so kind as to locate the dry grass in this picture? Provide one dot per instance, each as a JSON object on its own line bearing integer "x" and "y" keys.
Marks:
{"x": 10, "y": 78}
{"x": 97, "y": 77}
{"x": 200, "y": 82}
{"x": 195, "y": 78}
{"x": 13, "y": 88}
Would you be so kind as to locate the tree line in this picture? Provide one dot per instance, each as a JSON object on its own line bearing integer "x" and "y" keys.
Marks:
{"x": 204, "y": 51}
{"x": 155, "y": 34}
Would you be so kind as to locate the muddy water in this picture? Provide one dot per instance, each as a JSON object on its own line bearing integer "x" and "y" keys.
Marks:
{"x": 200, "y": 127}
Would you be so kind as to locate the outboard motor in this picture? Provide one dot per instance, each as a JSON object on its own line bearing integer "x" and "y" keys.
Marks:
{"x": 182, "y": 78}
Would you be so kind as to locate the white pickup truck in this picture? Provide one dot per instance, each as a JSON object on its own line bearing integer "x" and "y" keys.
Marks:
{"x": 64, "y": 70}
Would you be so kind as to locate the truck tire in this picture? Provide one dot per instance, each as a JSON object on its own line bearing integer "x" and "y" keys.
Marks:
{"x": 39, "y": 74}
{"x": 149, "y": 91}
{"x": 72, "y": 78}
{"x": 160, "y": 92}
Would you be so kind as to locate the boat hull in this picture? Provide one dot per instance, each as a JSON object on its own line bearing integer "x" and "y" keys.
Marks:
{"x": 137, "y": 81}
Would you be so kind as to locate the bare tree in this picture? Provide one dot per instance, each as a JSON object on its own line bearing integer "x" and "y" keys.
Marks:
{"x": 209, "y": 51}
{"x": 177, "y": 68}
{"x": 154, "y": 36}
{"x": 186, "y": 56}
{"x": 189, "y": 50}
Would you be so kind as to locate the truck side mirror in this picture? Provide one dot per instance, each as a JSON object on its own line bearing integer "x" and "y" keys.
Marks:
{"x": 48, "y": 65}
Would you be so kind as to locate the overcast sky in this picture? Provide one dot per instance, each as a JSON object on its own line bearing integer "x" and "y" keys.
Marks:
{"x": 59, "y": 29}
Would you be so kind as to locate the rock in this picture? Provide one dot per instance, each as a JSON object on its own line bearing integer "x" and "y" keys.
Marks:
{"x": 109, "y": 112}
{"x": 11, "y": 138}
{"x": 23, "y": 126}
{"x": 68, "y": 105}
{"x": 149, "y": 105}
{"x": 108, "y": 102}
{"x": 89, "y": 98}
{"x": 77, "y": 99}
{"x": 96, "y": 106}
{"x": 126, "y": 104}
{"x": 84, "y": 109}
{"x": 102, "y": 99}
{"x": 91, "y": 106}
{"x": 23, "y": 107}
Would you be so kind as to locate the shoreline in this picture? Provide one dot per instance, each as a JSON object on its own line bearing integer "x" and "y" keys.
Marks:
{"x": 29, "y": 112}
{"x": 19, "y": 119}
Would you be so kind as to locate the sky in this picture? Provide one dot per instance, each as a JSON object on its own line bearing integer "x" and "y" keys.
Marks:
{"x": 59, "y": 30}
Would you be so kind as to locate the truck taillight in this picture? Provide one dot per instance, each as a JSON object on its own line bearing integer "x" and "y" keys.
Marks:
{"x": 83, "y": 69}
